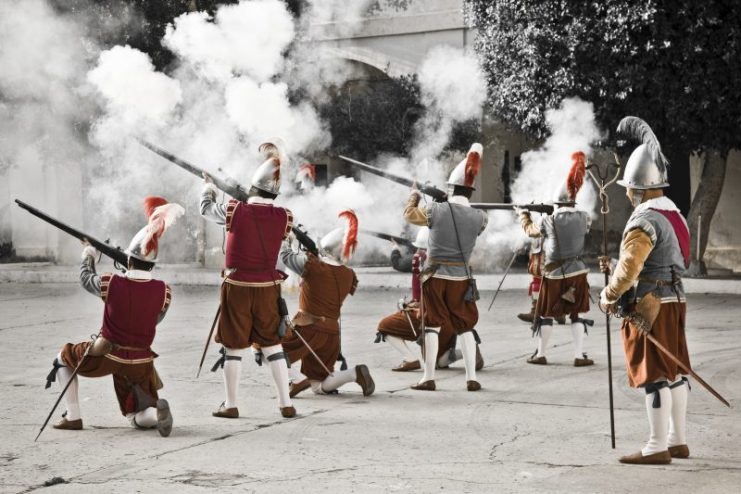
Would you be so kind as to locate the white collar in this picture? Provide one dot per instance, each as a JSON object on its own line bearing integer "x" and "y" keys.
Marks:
{"x": 259, "y": 200}
{"x": 661, "y": 202}
{"x": 138, "y": 274}
{"x": 329, "y": 260}
{"x": 564, "y": 209}
{"x": 462, "y": 200}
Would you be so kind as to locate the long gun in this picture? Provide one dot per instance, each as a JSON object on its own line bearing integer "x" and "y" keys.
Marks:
{"x": 120, "y": 258}
{"x": 226, "y": 185}
{"x": 391, "y": 238}
{"x": 537, "y": 208}
{"x": 430, "y": 190}
{"x": 439, "y": 195}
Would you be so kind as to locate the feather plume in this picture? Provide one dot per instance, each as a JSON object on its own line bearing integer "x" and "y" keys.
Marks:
{"x": 307, "y": 170}
{"x": 276, "y": 169}
{"x": 638, "y": 129}
{"x": 151, "y": 203}
{"x": 162, "y": 218}
{"x": 350, "y": 241}
{"x": 473, "y": 163}
{"x": 576, "y": 176}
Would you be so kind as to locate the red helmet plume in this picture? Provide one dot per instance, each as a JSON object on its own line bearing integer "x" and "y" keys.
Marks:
{"x": 151, "y": 203}
{"x": 577, "y": 174}
{"x": 351, "y": 234}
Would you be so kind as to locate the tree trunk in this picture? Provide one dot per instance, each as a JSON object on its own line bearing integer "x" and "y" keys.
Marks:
{"x": 703, "y": 208}
{"x": 678, "y": 191}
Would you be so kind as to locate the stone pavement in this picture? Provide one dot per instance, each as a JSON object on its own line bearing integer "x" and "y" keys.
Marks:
{"x": 531, "y": 429}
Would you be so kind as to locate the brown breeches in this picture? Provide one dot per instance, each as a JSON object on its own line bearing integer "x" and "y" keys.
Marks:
{"x": 551, "y": 302}
{"x": 249, "y": 315}
{"x": 125, "y": 376}
{"x": 643, "y": 361}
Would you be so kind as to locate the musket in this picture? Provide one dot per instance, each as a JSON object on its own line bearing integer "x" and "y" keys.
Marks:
{"x": 226, "y": 185}
{"x": 430, "y": 190}
{"x": 439, "y": 195}
{"x": 537, "y": 208}
{"x": 602, "y": 184}
{"x": 120, "y": 258}
{"x": 506, "y": 272}
{"x": 66, "y": 386}
{"x": 391, "y": 238}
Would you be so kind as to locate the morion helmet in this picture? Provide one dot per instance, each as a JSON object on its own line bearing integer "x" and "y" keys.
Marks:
{"x": 464, "y": 174}
{"x": 267, "y": 175}
{"x": 423, "y": 238}
{"x": 647, "y": 166}
{"x": 340, "y": 243}
{"x": 161, "y": 215}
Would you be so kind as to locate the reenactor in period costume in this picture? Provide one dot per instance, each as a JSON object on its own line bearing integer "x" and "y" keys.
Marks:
{"x": 250, "y": 292}
{"x": 449, "y": 291}
{"x": 133, "y": 306}
{"x": 534, "y": 268}
{"x": 402, "y": 329}
{"x": 647, "y": 281}
{"x": 313, "y": 344}
{"x": 564, "y": 290}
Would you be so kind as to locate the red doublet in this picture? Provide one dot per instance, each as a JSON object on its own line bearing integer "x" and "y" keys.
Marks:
{"x": 417, "y": 262}
{"x": 132, "y": 308}
{"x": 254, "y": 235}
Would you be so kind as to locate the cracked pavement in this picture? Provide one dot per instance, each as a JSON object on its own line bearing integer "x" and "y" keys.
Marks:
{"x": 530, "y": 429}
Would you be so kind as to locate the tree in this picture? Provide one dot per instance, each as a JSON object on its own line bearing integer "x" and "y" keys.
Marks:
{"x": 674, "y": 63}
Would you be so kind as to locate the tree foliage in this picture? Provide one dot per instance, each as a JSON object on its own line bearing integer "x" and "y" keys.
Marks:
{"x": 674, "y": 63}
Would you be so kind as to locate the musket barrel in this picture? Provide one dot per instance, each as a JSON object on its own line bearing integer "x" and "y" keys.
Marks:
{"x": 430, "y": 190}
{"x": 114, "y": 253}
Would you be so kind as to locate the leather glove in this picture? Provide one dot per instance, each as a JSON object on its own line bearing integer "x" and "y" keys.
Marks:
{"x": 605, "y": 303}
{"x": 89, "y": 251}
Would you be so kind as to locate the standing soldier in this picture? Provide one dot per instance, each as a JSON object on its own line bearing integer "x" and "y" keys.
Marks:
{"x": 325, "y": 283}
{"x": 564, "y": 289}
{"x": 535, "y": 268}
{"x": 250, "y": 292}
{"x": 133, "y": 306}
{"x": 654, "y": 253}
{"x": 401, "y": 328}
{"x": 448, "y": 289}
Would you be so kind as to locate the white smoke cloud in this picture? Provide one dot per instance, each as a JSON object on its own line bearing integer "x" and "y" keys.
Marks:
{"x": 248, "y": 38}
{"x": 135, "y": 95}
{"x": 544, "y": 170}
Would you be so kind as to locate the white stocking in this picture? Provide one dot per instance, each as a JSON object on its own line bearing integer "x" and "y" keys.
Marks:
{"x": 543, "y": 337}
{"x": 431, "y": 345}
{"x": 658, "y": 421}
{"x": 294, "y": 372}
{"x": 279, "y": 370}
{"x": 232, "y": 373}
{"x": 338, "y": 378}
{"x": 401, "y": 346}
{"x": 468, "y": 347}
{"x": 577, "y": 331}
{"x": 678, "y": 421}
{"x": 72, "y": 395}
{"x": 146, "y": 419}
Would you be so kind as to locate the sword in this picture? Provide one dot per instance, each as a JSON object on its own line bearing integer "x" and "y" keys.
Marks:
{"x": 208, "y": 341}
{"x": 311, "y": 350}
{"x": 66, "y": 386}
{"x": 401, "y": 306}
{"x": 686, "y": 369}
{"x": 506, "y": 272}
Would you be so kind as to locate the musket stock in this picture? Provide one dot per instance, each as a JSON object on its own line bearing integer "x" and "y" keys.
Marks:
{"x": 120, "y": 258}
{"x": 391, "y": 238}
